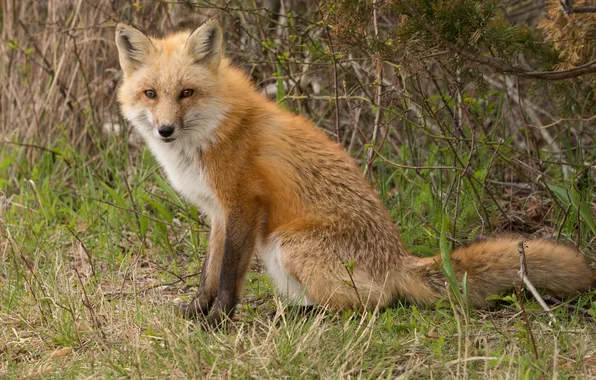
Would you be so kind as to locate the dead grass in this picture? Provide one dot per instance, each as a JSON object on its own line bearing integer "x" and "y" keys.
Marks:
{"x": 105, "y": 306}
{"x": 140, "y": 335}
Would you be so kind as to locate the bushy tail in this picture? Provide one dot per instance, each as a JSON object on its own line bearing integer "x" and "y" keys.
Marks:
{"x": 493, "y": 267}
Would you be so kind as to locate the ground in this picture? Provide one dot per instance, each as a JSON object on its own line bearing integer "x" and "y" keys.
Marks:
{"x": 97, "y": 252}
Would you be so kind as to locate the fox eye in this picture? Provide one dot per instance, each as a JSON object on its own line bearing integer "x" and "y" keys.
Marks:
{"x": 186, "y": 93}
{"x": 150, "y": 94}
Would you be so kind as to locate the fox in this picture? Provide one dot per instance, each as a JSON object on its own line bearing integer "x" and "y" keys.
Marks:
{"x": 276, "y": 186}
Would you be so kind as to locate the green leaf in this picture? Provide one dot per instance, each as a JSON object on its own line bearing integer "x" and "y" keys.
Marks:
{"x": 158, "y": 206}
{"x": 281, "y": 91}
{"x": 447, "y": 265}
{"x": 166, "y": 188}
{"x": 570, "y": 196}
{"x": 118, "y": 200}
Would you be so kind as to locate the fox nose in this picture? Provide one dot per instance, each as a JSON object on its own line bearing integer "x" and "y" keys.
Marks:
{"x": 165, "y": 130}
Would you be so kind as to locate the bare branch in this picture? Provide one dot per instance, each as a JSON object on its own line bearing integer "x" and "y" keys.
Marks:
{"x": 568, "y": 8}
{"x": 379, "y": 92}
{"x": 523, "y": 274}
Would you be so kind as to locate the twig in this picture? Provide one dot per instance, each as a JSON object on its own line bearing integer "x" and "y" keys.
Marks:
{"x": 379, "y": 80}
{"x": 162, "y": 284}
{"x": 134, "y": 207}
{"x": 134, "y": 262}
{"x": 89, "y": 257}
{"x": 349, "y": 272}
{"x": 55, "y": 153}
{"x": 180, "y": 279}
{"x": 393, "y": 163}
{"x": 583, "y": 312}
{"x": 355, "y": 117}
{"x": 523, "y": 274}
{"x": 332, "y": 53}
{"x": 427, "y": 224}
{"x": 29, "y": 266}
{"x": 517, "y": 185}
{"x": 87, "y": 304}
{"x": 563, "y": 222}
{"x": 459, "y": 328}
{"x": 527, "y": 322}
{"x": 568, "y": 8}
{"x": 115, "y": 295}
{"x": 459, "y": 181}
{"x": 141, "y": 214}
{"x": 562, "y": 120}
{"x": 347, "y": 267}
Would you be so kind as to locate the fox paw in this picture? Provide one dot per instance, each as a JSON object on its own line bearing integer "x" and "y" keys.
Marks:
{"x": 195, "y": 309}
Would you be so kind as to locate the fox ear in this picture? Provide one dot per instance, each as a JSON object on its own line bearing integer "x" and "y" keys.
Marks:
{"x": 133, "y": 47}
{"x": 204, "y": 44}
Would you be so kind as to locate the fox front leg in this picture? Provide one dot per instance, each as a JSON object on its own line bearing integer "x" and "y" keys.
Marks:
{"x": 231, "y": 244}
{"x": 239, "y": 245}
{"x": 209, "y": 284}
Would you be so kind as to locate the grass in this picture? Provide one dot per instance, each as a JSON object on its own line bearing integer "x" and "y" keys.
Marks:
{"x": 96, "y": 252}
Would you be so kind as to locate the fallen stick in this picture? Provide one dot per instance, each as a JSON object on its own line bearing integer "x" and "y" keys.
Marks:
{"x": 582, "y": 312}
{"x": 523, "y": 274}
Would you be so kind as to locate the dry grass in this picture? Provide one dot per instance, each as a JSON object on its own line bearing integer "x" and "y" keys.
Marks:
{"x": 50, "y": 330}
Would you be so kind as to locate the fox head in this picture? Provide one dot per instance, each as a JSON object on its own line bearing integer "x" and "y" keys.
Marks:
{"x": 169, "y": 89}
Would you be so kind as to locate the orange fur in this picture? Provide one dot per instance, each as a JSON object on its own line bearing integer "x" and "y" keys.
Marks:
{"x": 274, "y": 184}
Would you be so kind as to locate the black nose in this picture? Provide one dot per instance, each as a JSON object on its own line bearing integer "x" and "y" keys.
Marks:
{"x": 165, "y": 130}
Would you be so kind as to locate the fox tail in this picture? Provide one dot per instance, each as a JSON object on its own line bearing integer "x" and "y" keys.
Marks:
{"x": 492, "y": 267}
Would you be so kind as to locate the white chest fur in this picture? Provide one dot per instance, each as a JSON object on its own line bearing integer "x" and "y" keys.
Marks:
{"x": 187, "y": 176}
{"x": 179, "y": 158}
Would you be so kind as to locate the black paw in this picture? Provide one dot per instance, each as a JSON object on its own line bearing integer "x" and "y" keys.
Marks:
{"x": 216, "y": 320}
{"x": 195, "y": 309}
{"x": 220, "y": 315}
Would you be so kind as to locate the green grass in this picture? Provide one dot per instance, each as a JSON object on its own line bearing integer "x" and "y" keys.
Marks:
{"x": 96, "y": 252}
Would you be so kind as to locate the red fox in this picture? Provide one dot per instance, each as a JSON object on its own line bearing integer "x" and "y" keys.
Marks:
{"x": 274, "y": 185}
